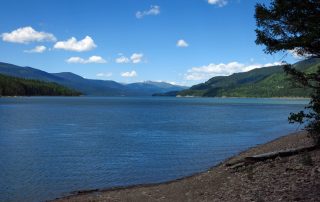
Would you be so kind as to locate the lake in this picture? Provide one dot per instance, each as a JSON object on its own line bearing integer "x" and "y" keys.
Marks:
{"x": 51, "y": 146}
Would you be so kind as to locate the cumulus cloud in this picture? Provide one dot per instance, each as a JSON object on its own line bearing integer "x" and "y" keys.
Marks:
{"x": 207, "y": 71}
{"x": 92, "y": 59}
{"x": 129, "y": 74}
{"x": 122, "y": 59}
{"x": 219, "y": 3}
{"x": 76, "y": 60}
{"x": 37, "y": 49}
{"x": 96, "y": 59}
{"x": 108, "y": 74}
{"x": 136, "y": 57}
{"x": 154, "y": 10}
{"x": 26, "y": 35}
{"x": 73, "y": 44}
{"x": 298, "y": 54}
{"x": 182, "y": 43}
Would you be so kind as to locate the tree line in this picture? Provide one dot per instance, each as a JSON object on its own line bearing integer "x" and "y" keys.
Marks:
{"x": 12, "y": 86}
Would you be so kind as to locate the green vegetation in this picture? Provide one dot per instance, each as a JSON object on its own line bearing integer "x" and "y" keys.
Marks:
{"x": 264, "y": 82}
{"x": 12, "y": 86}
{"x": 288, "y": 25}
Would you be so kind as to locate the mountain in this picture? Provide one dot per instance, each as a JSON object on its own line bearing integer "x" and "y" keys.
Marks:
{"x": 13, "y": 86}
{"x": 152, "y": 87}
{"x": 26, "y": 72}
{"x": 89, "y": 87}
{"x": 262, "y": 82}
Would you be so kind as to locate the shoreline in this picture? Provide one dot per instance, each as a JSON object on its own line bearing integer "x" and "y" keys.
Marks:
{"x": 18, "y": 96}
{"x": 170, "y": 190}
{"x": 293, "y": 98}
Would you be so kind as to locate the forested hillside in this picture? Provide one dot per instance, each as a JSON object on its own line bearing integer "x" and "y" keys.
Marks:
{"x": 12, "y": 86}
{"x": 263, "y": 82}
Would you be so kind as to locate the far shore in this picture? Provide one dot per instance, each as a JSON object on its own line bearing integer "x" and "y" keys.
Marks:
{"x": 290, "y": 178}
{"x": 293, "y": 98}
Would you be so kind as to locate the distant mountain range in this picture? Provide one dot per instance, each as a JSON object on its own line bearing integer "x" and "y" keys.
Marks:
{"x": 262, "y": 82}
{"x": 89, "y": 87}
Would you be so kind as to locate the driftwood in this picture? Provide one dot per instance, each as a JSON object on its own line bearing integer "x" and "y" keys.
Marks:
{"x": 269, "y": 155}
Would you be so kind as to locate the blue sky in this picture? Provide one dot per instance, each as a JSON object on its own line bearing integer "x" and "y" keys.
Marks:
{"x": 180, "y": 41}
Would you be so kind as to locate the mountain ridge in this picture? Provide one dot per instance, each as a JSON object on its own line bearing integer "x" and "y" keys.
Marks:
{"x": 261, "y": 82}
{"x": 90, "y": 87}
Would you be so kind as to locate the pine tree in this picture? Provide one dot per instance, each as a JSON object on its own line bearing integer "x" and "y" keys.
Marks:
{"x": 294, "y": 25}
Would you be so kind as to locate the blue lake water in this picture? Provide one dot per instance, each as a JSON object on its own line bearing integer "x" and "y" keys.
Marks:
{"x": 51, "y": 146}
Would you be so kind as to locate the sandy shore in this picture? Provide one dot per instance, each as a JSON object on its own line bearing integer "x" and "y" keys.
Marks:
{"x": 293, "y": 178}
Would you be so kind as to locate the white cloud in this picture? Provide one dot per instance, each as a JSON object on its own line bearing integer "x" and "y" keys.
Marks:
{"x": 129, "y": 74}
{"x": 154, "y": 10}
{"x": 294, "y": 54}
{"x": 72, "y": 44}
{"x": 108, "y": 74}
{"x": 92, "y": 59}
{"x": 136, "y": 57}
{"x": 76, "y": 60}
{"x": 182, "y": 43}
{"x": 219, "y": 3}
{"x": 96, "y": 59}
{"x": 26, "y": 35}
{"x": 122, "y": 59}
{"x": 37, "y": 49}
{"x": 299, "y": 56}
{"x": 212, "y": 70}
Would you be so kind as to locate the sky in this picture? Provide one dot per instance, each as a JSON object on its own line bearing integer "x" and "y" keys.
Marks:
{"x": 183, "y": 42}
